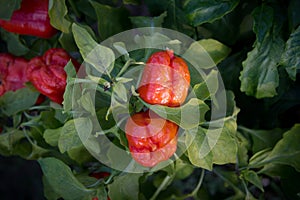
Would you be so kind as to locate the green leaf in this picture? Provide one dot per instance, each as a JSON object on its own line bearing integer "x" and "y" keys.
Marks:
{"x": 70, "y": 93}
{"x": 206, "y": 53}
{"x": 291, "y": 57}
{"x": 125, "y": 186}
{"x": 132, "y": 2}
{"x": 253, "y": 178}
{"x": 262, "y": 139}
{"x": 80, "y": 154}
{"x": 20, "y": 100}
{"x": 187, "y": 116}
{"x": 68, "y": 138}
{"x": 243, "y": 147}
{"x": 211, "y": 81}
{"x": 57, "y": 12}
{"x": 287, "y": 150}
{"x": 67, "y": 42}
{"x": 202, "y": 11}
{"x": 263, "y": 21}
{"x": 7, "y": 7}
{"x": 216, "y": 50}
{"x": 100, "y": 57}
{"x": 294, "y": 13}
{"x": 183, "y": 169}
{"x": 48, "y": 190}
{"x": 216, "y": 145}
{"x": 9, "y": 140}
{"x": 62, "y": 181}
{"x": 52, "y": 136}
{"x": 87, "y": 103}
{"x": 14, "y": 44}
{"x": 260, "y": 77}
{"x": 110, "y": 20}
{"x": 156, "y": 41}
{"x": 141, "y": 21}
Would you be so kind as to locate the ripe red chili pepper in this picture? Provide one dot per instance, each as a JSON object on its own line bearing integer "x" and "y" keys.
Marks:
{"x": 47, "y": 74}
{"x": 99, "y": 175}
{"x": 165, "y": 79}
{"x": 12, "y": 73}
{"x": 151, "y": 138}
{"x": 31, "y": 19}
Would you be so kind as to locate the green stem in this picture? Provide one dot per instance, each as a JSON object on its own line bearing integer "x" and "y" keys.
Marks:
{"x": 161, "y": 187}
{"x": 197, "y": 188}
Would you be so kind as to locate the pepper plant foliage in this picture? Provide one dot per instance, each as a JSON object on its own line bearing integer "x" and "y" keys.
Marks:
{"x": 255, "y": 46}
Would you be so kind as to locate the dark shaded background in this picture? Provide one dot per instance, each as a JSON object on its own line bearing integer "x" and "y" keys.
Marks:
{"x": 20, "y": 179}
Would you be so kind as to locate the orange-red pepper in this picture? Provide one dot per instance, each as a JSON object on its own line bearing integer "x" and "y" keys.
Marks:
{"x": 31, "y": 19}
{"x": 165, "y": 79}
{"x": 12, "y": 73}
{"x": 151, "y": 138}
{"x": 47, "y": 74}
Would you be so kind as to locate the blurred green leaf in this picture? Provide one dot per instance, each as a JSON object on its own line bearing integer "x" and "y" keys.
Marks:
{"x": 291, "y": 57}
{"x": 125, "y": 186}
{"x": 20, "y": 100}
{"x": 57, "y": 13}
{"x": 9, "y": 140}
{"x": 286, "y": 151}
{"x": 294, "y": 13}
{"x": 111, "y": 20}
{"x": 62, "y": 181}
{"x": 199, "y": 12}
{"x": 15, "y": 45}
{"x": 68, "y": 138}
{"x": 263, "y": 139}
{"x": 52, "y": 136}
{"x": 253, "y": 178}
{"x": 141, "y": 21}
{"x": 7, "y": 7}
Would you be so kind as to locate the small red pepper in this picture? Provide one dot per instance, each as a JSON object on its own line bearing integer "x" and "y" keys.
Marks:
{"x": 47, "y": 74}
{"x": 165, "y": 80}
{"x": 151, "y": 138}
{"x": 99, "y": 175}
{"x": 31, "y": 19}
{"x": 12, "y": 73}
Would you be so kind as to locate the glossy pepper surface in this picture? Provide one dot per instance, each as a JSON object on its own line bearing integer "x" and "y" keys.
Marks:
{"x": 151, "y": 138}
{"x": 31, "y": 19}
{"x": 165, "y": 79}
{"x": 12, "y": 73}
{"x": 47, "y": 74}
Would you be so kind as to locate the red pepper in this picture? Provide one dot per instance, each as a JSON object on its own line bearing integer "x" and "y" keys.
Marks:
{"x": 151, "y": 138}
{"x": 99, "y": 175}
{"x": 31, "y": 19}
{"x": 47, "y": 74}
{"x": 165, "y": 80}
{"x": 12, "y": 73}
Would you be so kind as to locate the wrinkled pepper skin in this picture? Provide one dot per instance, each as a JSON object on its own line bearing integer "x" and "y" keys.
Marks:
{"x": 12, "y": 73}
{"x": 165, "y": 80}
{"x": 151, "y": 138}
{"x": 31, "y": 19}
{"x": 47, "y": 74}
